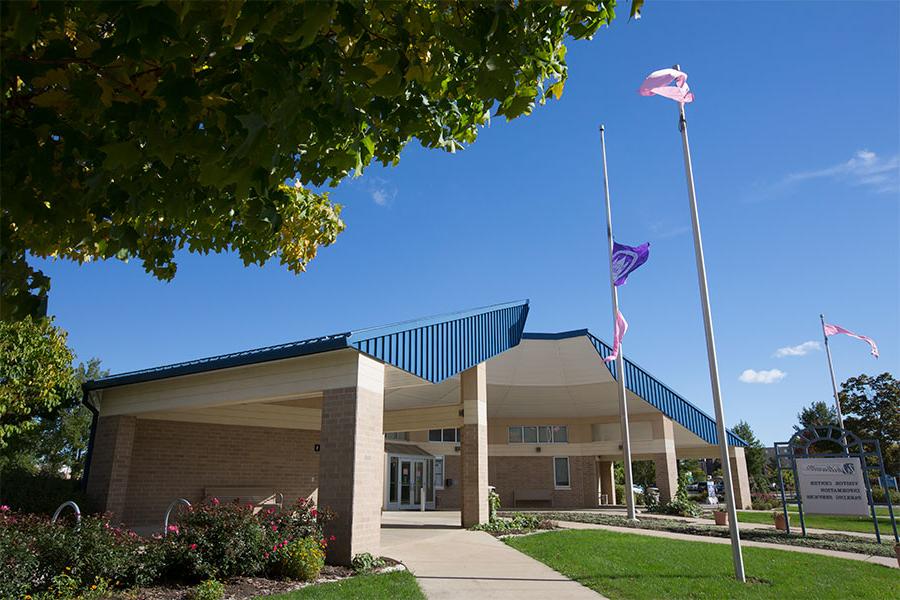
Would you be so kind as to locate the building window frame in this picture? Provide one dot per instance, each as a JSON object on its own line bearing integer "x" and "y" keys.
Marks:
{"x": 447, "y": 435}
{"x": 568, "y": 483}
{"x": 557, "y": 434}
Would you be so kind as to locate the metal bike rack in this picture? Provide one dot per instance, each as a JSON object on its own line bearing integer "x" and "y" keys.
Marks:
{"x": 172, "y": 506}
{"x": 62, "y": 506}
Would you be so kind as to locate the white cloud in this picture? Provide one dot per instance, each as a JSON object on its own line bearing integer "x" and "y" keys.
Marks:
{"x": 798, "y": 350}
{"x": 865, "y": 169}
{"x": 380, "y": 197}
{"x": 770, "y": 376}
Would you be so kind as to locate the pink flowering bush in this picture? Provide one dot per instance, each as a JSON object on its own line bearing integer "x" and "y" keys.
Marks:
{"x": 214, "y": 540}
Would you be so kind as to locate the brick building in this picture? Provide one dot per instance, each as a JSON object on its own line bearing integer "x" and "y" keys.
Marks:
{"x": 422, "y": 414}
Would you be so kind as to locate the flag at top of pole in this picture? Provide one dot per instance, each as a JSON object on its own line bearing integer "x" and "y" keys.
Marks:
{"x": 672, "y": 84}
{"x": 836, "y": 329}
{"x": 668, "y": 83}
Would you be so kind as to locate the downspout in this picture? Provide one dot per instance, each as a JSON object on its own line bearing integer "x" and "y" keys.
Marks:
{"x": 85, "y": 393}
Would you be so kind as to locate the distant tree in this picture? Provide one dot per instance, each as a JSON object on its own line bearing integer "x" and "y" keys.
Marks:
{"x": 58, "y": 443}
{"x": 36, "y": 376}
{"x": 817, "y": 414}
{"x": 755, "y": 454}
{"x": 132, "y": 130}
{"x": 872, "y": 410}
{"x": 643, "y": 472}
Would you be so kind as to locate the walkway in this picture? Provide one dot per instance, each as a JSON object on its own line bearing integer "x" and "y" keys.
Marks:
{"x": 450, "y": 562}
{"x": 881, "y": 560}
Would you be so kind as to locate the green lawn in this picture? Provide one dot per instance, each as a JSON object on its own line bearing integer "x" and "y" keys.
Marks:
{"x": 836, "y": 523}
{"x": 627, "y": 566}
{"x": 400, "y": 585}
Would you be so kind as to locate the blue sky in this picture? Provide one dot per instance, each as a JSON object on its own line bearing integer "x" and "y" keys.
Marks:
{"x": 794, "y": 134}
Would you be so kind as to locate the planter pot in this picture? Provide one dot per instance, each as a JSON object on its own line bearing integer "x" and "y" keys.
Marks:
{"x": 780, "y": 522}
{"x": 721, "y": 517}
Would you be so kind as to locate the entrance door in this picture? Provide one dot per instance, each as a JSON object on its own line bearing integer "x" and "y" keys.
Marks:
{"x": 412, "y": 478}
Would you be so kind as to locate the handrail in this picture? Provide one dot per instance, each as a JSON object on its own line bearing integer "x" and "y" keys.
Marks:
{"x": 169, "y": 510}
{"x": 62, "y": 506}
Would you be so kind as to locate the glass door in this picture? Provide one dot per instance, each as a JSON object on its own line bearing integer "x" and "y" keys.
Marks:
{"x": 412, "y": 479}
{"x": 406, "y": 479}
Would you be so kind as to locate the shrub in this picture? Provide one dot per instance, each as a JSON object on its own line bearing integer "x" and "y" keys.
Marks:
{"x": 765, "y": 501}
{"x": 493, "y": 504}
{"x": 208, "y": 590}
{"x": 516, "y": 522}
{"x": 301, "y": 559}
{"x": 366, "y": 563}
{"x": 680, "y": 505}
{"x": 879, "y": 496}
{"x": 41, "y": 493}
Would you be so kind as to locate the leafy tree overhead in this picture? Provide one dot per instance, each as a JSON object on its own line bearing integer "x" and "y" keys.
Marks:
{"x": 817, "y": 414}
{"x": 872, "y": 411}
{"x": 132, "y": 130}
{"x": 36, "y": 375}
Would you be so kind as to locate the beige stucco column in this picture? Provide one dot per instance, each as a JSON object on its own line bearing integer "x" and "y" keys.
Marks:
{"x": 351, "y": 462}
{"x": 607, "y": 480}
{"x": 740, "y": 478}
{"x": 107, "y": 484}
{"x": 666, "y": 462}
{"x": 474, "y": 447}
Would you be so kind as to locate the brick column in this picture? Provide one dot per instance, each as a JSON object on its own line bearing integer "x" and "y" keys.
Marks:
{"x": 107, "y": 484}
{"x": 740, "y": 479}
{"x": 607, "y": 480}
{"x": 351, "y": 463}
{"x": 474, "y": 448}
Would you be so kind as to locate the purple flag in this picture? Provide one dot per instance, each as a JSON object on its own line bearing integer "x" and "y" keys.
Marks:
{"x": 626, "y": 259}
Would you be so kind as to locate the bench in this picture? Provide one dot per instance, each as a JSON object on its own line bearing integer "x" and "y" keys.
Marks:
{"x": 260, "y": 497}
{"x": 532, "y": 495}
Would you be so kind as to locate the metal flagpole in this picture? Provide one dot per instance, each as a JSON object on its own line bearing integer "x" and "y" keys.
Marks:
{"x": 620, "y": 363}
{"x": 711, "y": 353}
{"x": 837, "y": 402}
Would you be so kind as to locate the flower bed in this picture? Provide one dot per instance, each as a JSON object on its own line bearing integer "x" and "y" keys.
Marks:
{"x": 213, "y": 541}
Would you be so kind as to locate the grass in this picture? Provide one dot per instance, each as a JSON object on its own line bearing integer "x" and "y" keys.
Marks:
{"x": 634, "y": 567}
{"x": 833, "y": 522}
{"x": 827, "y": 541}
{"x": 399, "y": 585}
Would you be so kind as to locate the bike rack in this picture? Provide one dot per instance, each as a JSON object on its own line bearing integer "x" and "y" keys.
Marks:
{"x": 172, "y": 506}
{"x": 62, "y": 506}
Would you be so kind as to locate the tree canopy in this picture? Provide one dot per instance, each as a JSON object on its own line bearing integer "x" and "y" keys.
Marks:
{"x": 872, "y": 411}
{"x": 135, "y": 129}
{"x": 817, "y": 414}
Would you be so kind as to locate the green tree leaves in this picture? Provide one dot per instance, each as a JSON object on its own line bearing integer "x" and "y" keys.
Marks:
{"x": 133, "y": 130}
{"x": 36, "y": 374}
{"x": 872, "y": 409}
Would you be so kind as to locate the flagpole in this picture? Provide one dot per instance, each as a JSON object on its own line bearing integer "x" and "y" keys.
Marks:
{"x": 737, "y": 555}
{"x": 620, "y": 362}
{"x": 837, "y": 401}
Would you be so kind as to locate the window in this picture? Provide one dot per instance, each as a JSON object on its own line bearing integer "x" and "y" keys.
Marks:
{"x": 438, "y": 472}
{"x": 561, "y": 472}
{"x": 543, "y": 434}
{"x": 443, "y": 435}
{"x": 402, "y": 436}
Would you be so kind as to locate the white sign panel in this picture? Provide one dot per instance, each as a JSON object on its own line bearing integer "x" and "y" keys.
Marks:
{"x": 832, "y": 486}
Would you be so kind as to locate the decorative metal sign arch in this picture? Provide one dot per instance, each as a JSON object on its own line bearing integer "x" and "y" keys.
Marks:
{"x": 850, "y": 444}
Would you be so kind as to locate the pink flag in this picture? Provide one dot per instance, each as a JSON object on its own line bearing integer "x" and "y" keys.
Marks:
{"x": 621, "y": 328}
{"x": 836, "y": 329}
{"x": 660, "y": 82}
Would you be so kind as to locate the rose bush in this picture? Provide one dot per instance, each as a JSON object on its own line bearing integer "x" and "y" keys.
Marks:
{"x": 210, "y": 541}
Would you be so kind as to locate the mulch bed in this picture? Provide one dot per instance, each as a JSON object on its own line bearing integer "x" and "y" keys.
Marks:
{"x": 244, "y": 588}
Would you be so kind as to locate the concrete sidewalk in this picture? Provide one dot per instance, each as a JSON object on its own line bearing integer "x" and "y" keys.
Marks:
{"x": 881, "y": 560}
{"x": 450, "y": 562}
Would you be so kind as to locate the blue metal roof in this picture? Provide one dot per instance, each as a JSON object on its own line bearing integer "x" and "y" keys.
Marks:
{"x": 651, "y": 390}
{"x": 433, "y": 348}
